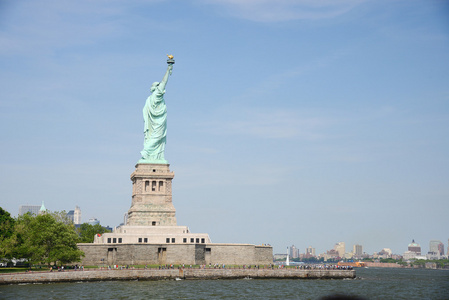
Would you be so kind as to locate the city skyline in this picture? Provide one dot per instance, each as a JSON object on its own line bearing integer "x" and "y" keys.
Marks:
{"x": 292, "y": 249}
{"x": 435, "y": 247}
{"x": 312, "y": 122}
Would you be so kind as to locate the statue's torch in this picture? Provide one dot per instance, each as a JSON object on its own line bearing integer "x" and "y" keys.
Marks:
{"x": 170, "y": 62}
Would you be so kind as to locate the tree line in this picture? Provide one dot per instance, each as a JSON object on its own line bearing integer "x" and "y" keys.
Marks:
{"x": 48, "y": 238}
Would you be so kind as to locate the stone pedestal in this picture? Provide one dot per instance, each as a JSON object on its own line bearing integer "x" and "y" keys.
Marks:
{"x": 151, "y": 235}
{"x": 152, "y": 196}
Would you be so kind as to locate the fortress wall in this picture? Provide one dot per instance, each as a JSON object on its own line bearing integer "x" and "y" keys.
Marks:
{"x": 240, "y": 254}
{"x": 94, "y": 255}
{"x": 137, "y": 254}
{"x": 162, "y": 254}
{"x": 264, "y": 254}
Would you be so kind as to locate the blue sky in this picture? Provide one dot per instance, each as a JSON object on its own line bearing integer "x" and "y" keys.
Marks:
{"x": 289, "y": 122}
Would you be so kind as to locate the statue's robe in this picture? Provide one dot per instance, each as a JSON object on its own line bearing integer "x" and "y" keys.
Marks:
{"x": 155, "y": 128}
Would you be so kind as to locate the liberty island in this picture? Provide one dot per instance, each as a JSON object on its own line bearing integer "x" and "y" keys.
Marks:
{"x": 151, "y": 234}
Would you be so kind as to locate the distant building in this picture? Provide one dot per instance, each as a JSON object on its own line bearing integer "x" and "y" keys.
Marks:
{"x": 436, "y": 248}
{"x": 70, "y": 215}
{"x": 340, "y": 248}
{"x": 357, "y": 250}
{"x": 77, "y": 215}
{"x": 413, "y": 252}
{"x": 280, "y": 256}
{"x": 396, "y": 256}
{"x": 310, "y": 251}
{"x": 42, "y": 209}
{"x": 384, "y": 253}
{"x": 32, "y": 209}
{"x": 414, "y": 247}
{"x": 330, "y": 255}
{"x": 108, "y": 228}
{"x": 293, "y": 252}
{"x": 93, "y": 221}
{"x": 409, "y": 255}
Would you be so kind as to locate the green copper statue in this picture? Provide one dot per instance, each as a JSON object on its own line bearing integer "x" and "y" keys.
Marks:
{"x": 155, "y": 119}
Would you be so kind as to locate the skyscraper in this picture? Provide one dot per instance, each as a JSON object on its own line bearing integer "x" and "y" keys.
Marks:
{"x": 293, "y": 252}
{"x": 436, "y": 247}
{"x": 32, "y": 209}
{"x": 77, "y": 215}
{"x": 310, "y": 251}
{"x": 441, "y": 249}
{"x": 357, "y": 250}
{"x": 340, "y": 248}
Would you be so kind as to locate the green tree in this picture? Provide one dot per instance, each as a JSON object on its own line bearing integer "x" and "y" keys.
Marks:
{"x": 7, "y": 225}
{"x": 419, "y": 262}
{"x": 388, "y": 260}
{"x": 43, "y": 239}
{"x": 87, "y": 232}
{"x": 402, "y": 263}
{"x": 61, "y": 216}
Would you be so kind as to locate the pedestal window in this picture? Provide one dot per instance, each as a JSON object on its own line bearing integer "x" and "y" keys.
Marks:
{"x": 153, "y": 186}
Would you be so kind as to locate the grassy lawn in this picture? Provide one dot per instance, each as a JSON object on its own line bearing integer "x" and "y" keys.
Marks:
{"x": 23, "y": 269}
{"x": 12, "y": 270}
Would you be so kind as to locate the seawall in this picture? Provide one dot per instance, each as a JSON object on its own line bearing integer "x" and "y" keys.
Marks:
{"x": 382, "y": 265}
{"x": 155, "y": 274}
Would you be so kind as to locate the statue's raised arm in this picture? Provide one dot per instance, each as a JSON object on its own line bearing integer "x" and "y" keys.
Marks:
{"x": 163, "y": 83}
{"x": 155, "y": 121}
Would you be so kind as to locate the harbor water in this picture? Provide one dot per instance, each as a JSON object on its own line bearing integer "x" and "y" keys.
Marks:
{"x": 373, "y": 283}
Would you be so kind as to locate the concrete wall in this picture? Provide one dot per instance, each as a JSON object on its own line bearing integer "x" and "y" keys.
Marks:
{"x": 240, "y": 254}
{"x": 189, "y": 254}
{"x": 154, "y": 274}
{"x": 381, "y": 265}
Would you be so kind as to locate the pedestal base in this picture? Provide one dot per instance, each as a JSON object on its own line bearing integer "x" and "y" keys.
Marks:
{"x": 152, "y": 196}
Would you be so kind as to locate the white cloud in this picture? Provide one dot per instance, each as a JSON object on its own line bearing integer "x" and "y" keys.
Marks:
{"x": 284, "y": 10}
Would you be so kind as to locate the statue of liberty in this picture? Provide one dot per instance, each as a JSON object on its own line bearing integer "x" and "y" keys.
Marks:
{"x": 155, "y": 121}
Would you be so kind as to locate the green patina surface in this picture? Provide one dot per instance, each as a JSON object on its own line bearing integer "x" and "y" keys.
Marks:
{"x": 155, "y": 122}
